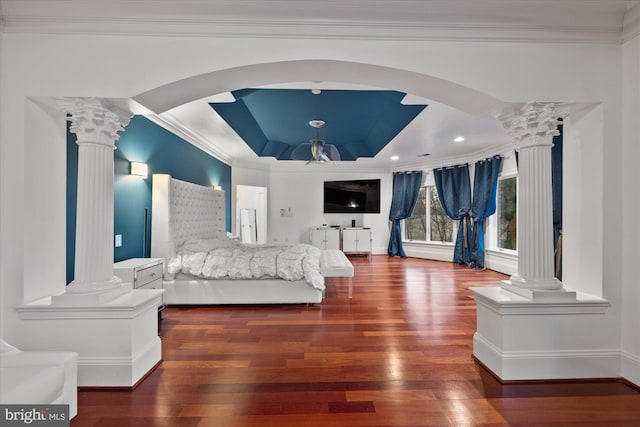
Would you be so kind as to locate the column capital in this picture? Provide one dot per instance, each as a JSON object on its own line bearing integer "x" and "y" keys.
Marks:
{"x": 94, "y": 120}
{"x": 534, "y": 124}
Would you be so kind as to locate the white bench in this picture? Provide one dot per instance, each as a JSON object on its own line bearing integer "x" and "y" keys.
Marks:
{"x": 38, "y": 377}
{"x": 334, "y": 263}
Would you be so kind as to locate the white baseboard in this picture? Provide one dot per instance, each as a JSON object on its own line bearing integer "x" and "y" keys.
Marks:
{"x": 118, "y": 371}
{"x": 502, "y": 262}
{"x": 547, "y": 365}
{"x": 630, "y": 367}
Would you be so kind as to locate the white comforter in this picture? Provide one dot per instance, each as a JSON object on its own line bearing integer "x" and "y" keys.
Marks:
{"x": 218, "y": 258}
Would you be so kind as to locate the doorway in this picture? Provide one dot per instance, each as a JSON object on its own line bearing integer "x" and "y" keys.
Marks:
{"x": 251, "y": 213}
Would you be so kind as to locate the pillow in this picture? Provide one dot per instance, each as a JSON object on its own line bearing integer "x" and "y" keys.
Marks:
{"x": 206, "y": 245}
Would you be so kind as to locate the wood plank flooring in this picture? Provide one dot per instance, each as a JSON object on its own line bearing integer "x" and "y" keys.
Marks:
{"x": 398, "y": 354}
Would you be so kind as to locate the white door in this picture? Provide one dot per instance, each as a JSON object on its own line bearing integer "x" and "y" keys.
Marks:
{"x": 248, "y": 225}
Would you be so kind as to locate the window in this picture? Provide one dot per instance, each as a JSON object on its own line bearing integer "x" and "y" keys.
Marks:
{"x": 429, "y": 221}
{"x": 507, "y": 213}
{"x": 415, "y": 227}
{"x": 441, "y": 225}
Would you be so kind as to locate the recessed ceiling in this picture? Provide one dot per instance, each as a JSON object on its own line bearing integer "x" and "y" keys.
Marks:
{"x": 275, "y": 122}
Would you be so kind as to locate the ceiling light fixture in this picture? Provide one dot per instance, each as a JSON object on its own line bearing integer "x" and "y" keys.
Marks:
{"x": 316, "y": 91}
{"x": 459, "y": 138}
{"x": 394, "y": 157}
{"x": 320, "y": 152}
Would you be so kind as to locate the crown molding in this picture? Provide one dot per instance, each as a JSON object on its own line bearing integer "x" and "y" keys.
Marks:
{"x": 283, "y": 28}
{"x": 190, "y": 136}
{"x": 338, "y": 167}
{"x": 504, "y": 150}
{"x": 631, "y": 26}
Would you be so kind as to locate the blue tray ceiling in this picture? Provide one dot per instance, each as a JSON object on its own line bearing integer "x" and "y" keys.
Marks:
{"x": 273, "y": 122}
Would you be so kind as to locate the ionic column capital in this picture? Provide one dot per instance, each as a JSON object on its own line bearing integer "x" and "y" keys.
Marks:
{"x": 535, "y": 124}
{"x": 94, "y": 120}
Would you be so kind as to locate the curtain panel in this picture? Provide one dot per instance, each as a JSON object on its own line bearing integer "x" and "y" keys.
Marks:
{"x": 406, "y": 188}
{"x": 485, "y": 186}
{"x": 556, "y": 183}
{"x": 454, "y": 190}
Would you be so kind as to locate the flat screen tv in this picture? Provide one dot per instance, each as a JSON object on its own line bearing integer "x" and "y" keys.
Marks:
{"x": 356, "y": 196}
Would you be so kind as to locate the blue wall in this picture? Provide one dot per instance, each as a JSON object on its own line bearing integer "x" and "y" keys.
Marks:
{"x": 163, "y": 152}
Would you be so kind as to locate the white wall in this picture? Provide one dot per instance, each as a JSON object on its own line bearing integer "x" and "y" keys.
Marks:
{"x": 302, "y": 192}
{"x": 119, "y": 66}
{"x": 630, "y": 292}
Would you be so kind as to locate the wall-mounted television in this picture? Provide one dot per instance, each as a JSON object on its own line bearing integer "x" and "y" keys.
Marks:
{"x": 355, "y": 196}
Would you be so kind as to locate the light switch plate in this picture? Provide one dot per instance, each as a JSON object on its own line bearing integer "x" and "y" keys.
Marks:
{"x": 118, "y": 240}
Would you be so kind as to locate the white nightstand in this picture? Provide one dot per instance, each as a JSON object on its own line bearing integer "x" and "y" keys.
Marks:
{"x": 143, "y": 273}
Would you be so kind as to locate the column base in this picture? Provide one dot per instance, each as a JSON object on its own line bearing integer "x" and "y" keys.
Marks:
{"x": 92, "y": 293}
{"x": 518, "y": 288}
{"x": 520, "y": 339}
{"x": 117, "y": 342}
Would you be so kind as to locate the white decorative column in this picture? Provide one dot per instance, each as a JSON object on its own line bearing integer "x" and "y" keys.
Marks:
{"x": 527, "y": 327}
{"x": 533, "y": 128}
{"x": 113, "y": 328}
{"x": 96, "y": 125}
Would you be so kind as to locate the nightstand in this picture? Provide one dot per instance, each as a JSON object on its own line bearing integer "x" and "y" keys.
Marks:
{"x": 143, "y": 273}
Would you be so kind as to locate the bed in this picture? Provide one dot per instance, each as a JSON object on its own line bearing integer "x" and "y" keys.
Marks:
{"x": 188, "y": 220}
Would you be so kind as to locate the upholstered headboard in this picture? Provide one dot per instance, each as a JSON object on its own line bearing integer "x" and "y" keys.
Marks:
{"x": 182, "y": 211}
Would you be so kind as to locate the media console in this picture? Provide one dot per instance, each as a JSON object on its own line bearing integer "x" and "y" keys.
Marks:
{"x": 350, "y": 240}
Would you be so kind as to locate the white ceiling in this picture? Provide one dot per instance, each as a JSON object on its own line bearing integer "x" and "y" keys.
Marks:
{"x": 576, "y": 21}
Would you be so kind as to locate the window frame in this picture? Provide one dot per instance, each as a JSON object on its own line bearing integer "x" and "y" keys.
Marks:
{"x": 495, "y": 219}
{"x": 427, "y": 188}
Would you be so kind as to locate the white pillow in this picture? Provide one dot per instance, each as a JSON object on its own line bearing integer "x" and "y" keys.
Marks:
{"x": 206, "y": 245}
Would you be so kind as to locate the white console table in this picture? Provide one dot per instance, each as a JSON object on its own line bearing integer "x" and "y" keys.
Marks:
{"x": 350, "y": 240}
{"x": 356, "y": 240}
{"x": 325, "y": 237}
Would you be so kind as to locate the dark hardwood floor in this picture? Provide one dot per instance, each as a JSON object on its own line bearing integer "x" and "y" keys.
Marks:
{"x": 398, "y": 354}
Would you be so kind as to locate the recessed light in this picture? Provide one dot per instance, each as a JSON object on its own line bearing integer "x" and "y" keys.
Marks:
{"x": 394, "y": 157}
{"x": 458, "y": 139}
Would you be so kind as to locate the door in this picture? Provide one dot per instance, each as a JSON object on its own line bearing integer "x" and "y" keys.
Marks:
{"x": 248, "y": 228}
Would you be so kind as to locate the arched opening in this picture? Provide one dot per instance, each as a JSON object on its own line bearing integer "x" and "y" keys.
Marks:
{"x": 446, "y": 92}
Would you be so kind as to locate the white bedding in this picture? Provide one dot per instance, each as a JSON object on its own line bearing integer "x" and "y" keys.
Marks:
{"x": 228, "y": 259}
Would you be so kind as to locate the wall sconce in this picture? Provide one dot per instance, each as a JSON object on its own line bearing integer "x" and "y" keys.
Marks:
{"x": 217, "y": 187}
{"x": 139, "y": 169}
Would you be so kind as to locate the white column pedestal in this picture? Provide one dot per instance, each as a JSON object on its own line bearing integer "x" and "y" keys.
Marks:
{"x": 521, "y": 339}
{"x": 117, "y": 342}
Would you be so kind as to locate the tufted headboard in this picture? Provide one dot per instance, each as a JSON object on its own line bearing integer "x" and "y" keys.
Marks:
{"x": 182, "y": 211}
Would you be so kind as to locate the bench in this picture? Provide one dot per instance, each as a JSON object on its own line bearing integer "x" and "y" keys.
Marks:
{"x": 334, "y": 263}
{"x": 38, "y": 377}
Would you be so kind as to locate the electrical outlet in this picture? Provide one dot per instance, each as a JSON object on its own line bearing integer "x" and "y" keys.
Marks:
{"x": 118, "y": 240}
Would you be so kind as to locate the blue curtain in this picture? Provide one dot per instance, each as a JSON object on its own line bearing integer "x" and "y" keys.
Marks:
{"x": 556, "y": 182}
{"x": 454, "y": 191}
{"x": 485, "y": 185}
{"x": 406, "y": 188}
